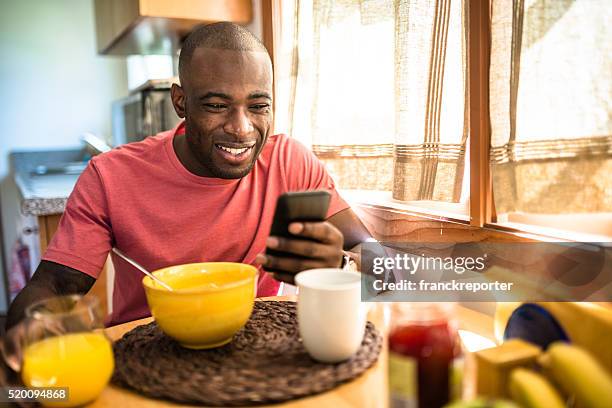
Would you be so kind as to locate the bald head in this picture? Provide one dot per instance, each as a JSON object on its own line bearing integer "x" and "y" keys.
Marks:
{"x": 223, "y": 35}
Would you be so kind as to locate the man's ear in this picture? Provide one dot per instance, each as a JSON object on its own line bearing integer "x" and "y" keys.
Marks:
{"x": 178, "y": 100}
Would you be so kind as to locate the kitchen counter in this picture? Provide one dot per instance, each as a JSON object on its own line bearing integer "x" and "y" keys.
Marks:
{"x": 45, "y": 194}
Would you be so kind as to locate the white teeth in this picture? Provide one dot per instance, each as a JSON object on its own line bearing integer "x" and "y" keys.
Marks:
{"x": 233, "y": 151}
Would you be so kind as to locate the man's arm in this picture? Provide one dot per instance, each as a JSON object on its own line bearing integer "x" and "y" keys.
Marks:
{"x": 50, "y": 279}
{"x": 351, "y": 227}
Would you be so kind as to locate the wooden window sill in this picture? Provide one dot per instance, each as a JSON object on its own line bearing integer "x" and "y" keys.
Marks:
{"x": 452, "y": 212}
{"x": 380, "y": 213}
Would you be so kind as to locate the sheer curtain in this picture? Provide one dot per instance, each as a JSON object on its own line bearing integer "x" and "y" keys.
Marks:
{"x": 377, "y": 89}
{"x": 551, "y": 106}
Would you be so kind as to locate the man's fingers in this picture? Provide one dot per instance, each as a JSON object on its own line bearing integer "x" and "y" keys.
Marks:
{"x": 285, "y": 277}
{"x": 291, "y": 265}
{"x": 300, "y": 247}
{"x": 260, "y": 259}
{"x": 322, "y": 250}
{"x": 324, "y": 231}
{"x": 12, "y": 346}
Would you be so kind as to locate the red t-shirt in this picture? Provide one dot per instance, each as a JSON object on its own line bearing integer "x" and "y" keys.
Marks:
{"x": 141, "y": 199}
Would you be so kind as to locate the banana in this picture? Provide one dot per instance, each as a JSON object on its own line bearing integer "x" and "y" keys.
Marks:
{"x": 579, "y": 375}
{"x": 482, "y": 403}
{"x": 531, "y": 390}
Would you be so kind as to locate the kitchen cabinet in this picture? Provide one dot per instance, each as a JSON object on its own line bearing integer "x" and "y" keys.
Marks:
{"x": 126, "y": 27}
{"x": 47, "y": 225}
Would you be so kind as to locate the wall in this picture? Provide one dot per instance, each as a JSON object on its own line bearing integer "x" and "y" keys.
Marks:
{"x": 53, "y": 87}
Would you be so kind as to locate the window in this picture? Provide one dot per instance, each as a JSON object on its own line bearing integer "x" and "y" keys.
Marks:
{"x": 551, "y": 114}
{"x": 394, "y": 96}
{"x": 380, "y": 101}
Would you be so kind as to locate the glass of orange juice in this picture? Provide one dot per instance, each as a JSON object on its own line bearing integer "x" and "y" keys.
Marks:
{"x": 64, "y": 346}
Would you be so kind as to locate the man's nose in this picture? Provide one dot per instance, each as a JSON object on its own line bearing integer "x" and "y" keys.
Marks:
{"x": 238, "y": 124}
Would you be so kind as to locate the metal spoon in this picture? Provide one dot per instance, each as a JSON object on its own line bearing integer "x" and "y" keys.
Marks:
{"x": 141, "y": 269}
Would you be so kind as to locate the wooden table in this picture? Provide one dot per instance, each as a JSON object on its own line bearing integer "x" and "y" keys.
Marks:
{"x": 368, "y": 390}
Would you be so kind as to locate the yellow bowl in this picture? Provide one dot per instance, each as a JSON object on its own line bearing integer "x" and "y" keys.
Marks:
{"x": 209, "y": 303}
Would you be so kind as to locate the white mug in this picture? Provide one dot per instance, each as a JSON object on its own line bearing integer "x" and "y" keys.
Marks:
{"x": 331, "y": 316}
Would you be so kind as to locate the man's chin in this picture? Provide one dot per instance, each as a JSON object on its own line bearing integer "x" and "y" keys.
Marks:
{"x": 231, "y": 173}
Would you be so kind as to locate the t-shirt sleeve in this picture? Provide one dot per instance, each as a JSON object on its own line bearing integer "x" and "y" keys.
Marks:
{"x": 83, "y": 237}
{"x": 306, "y": 172}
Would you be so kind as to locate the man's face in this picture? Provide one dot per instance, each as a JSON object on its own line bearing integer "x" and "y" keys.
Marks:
{"x": 226, "y": 100}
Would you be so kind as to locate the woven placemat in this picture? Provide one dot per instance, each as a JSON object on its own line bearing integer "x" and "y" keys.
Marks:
{"x": 265, "y": 362}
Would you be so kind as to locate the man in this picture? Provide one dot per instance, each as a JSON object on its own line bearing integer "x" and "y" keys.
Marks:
{"x": 205, "y": 191}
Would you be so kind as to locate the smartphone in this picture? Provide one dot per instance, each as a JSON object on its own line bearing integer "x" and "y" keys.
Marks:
{"x": 297, "y": 206}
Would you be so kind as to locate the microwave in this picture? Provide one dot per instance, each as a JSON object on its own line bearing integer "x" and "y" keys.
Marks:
{"x": 147, "y": 111}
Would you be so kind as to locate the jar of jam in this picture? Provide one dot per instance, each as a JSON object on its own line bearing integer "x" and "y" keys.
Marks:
{"x": 423, "y": 347}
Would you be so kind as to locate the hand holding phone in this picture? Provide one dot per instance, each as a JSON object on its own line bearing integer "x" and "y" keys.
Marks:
{"x": 299, "y": 206}
{"x": 318, "y": 245}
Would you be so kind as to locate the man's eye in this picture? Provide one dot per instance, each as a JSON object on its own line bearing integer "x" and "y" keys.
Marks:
{"x": 214, "y": 106}
{"x": 260, "y": 107}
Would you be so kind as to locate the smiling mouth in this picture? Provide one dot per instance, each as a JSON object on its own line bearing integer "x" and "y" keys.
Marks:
{"x": 235, "y": 152}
